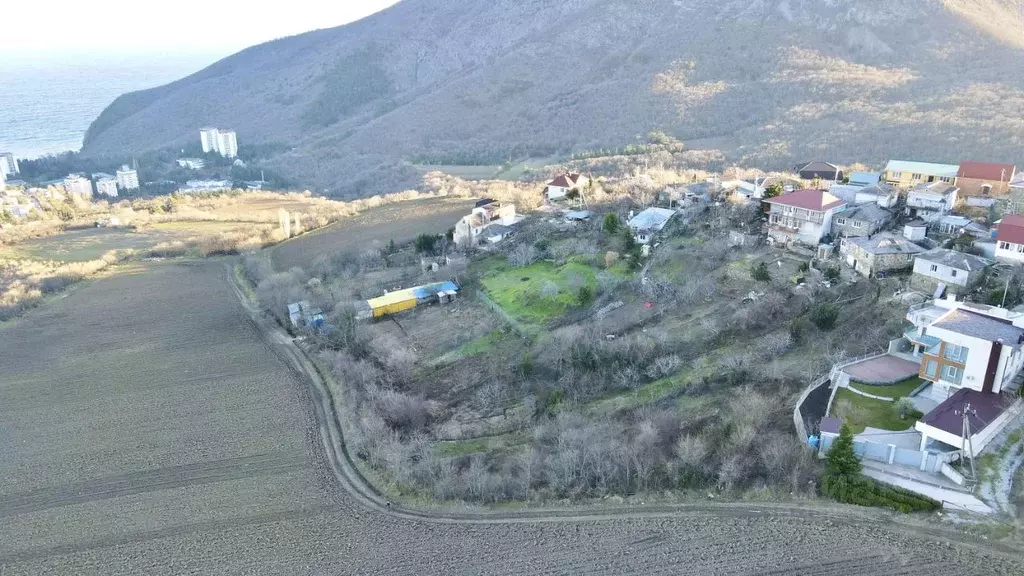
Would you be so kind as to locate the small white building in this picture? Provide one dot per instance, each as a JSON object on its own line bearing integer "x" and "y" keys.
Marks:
{"x": 915, "y": 230}
{"x": 475, "y": 227}
{"x": 947, "y": 267}
{"x": 1010, "y": 239}
{"x": 559, "y": 188}
{"x": 649, "y": 222}
{"x": 931, "y": 201}
{"x": 127, "y": 178}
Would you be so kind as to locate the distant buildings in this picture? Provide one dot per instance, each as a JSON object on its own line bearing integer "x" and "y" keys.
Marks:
{"x": 223, "y": 142}
{"x": 192, "y": 163}
{"x": 106, "y": 185}
{"x": 78, "y": 185}
{"x": 127, "y": 178}
{"x": 9, "y": 164}
{"x": 3, "y": 181}
{"x": 196, "y": 186}
{"x": 489, "y": 222}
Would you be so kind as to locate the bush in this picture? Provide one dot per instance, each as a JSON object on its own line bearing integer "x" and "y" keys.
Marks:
{"x": 760, "y": 272}
{"x": 904, "y": 407}
{"x": 611, "y": 223}
{"x": 832, "y": 273}
{"x": 425, "y": 243}
{"x": 585, "y": 296}
{"x": 824, "y": 315}
{"x": 804, "y": 267}
{"x": 863, "y": 491}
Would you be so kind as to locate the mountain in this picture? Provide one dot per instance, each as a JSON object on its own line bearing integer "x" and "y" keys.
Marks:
{"x": 351, "y": 109}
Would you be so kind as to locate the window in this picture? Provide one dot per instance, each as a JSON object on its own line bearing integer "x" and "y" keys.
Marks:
{"x": 934, "y": 268}
{"x": 952, "y": 273}
{"x": 950, "y": 373}
{"x": 916, "y": 176}
{"x": 931, "y": 369}
{"x": 841, "y": 221}
{"x": 955, "y": 353}
{"x": 857, "y": 224}
{"x": 986, "y": 189}
{"x": 896, "y": 175}
{"x": 1020, "y": 248}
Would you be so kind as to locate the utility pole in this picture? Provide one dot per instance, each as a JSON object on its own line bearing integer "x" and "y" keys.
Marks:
{"x": 1005, "y": 290}
{"x": 966, "y": 446}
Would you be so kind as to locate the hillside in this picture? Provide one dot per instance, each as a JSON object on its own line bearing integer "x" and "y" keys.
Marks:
{"x": 482, "y": 81}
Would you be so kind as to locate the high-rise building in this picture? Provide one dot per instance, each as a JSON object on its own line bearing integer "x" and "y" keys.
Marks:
{"x": 77, "y": 185}
{"x": 227, "y": 144}
{"x": 208, "y": 138}
{"x": 127, "y": 178}
{"x": 9, "y": 164}
{"x": 106, "y": 185}
{"x": 223, "y": 142}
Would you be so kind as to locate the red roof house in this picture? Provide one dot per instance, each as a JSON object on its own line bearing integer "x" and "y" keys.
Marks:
{"x": 984, "y": 178}
{"x": 817, "y": 200}
{"x": 802, "y": 216}
{"x": 1011, "y": 229}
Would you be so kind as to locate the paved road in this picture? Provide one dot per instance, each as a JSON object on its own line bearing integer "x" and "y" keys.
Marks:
{"x": 148, "y": 426}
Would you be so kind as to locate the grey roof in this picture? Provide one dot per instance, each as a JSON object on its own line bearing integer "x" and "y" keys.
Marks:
{"x": 578, "y": 215}
{"x": 886, "y": 244}
{"x": 651, "y": 219}
{"x": 496, "y": 230}
{"x": 867, "y": 212}
{"x": 980, "y": 326}
{"x": 878, "y": 189}
{"x": 865, "y": 178}
{"x": 917, "y": 224}
{"x": 954, "y": 259}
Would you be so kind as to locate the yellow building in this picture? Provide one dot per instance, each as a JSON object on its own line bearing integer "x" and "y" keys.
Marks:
{"x": 409, "y": 298}
{"x": 905, "y": 174}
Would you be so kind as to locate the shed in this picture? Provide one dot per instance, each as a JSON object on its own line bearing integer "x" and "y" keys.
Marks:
{"x": 578, "y": 215}
{"x": 915, "y": 230}
{"x": 392, "y": 303}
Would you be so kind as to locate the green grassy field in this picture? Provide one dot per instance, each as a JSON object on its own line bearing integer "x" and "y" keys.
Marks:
{"x": 527, "y": 295}
{"x": 79, "y": 245}
{"x": 897, "y": 390}
{"x": 866, "y": 411}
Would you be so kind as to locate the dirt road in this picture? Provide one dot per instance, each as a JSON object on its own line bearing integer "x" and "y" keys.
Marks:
{"x": 149, "y": 426}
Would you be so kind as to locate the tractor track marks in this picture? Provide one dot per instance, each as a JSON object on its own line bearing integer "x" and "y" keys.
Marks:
{"x": 151, "y": 480}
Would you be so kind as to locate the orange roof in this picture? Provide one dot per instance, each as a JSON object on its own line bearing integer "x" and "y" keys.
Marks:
{"x": 817, "y": 200}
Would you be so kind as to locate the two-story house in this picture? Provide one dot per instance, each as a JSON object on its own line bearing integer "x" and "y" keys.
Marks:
{"x": 958, "y": 271}
{"x": 985, "y": 179}
{"x": 907, "y": 174}
{"x": 802, "y": 216}
{"x": 860, "y": 220}
{"x": 1010, "y": 239}
{"x": 881, "y": 253}
{"x": 972, "y": 355}
{"x": 489, "y": 221}
{"x": 929, "y": 202}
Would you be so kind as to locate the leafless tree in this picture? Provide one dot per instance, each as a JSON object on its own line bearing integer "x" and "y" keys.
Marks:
{"x": 522, "y": 255}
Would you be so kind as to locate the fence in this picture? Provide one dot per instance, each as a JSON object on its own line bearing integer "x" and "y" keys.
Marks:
{"x": 930, "y": 462}
{"x": 519, "y": 328}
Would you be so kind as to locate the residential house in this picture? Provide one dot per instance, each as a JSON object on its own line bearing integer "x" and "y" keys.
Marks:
{"x": 1015, "y": 204}
{"x": 950, "y": 225}
{"x": 949, "y": 268}
{"x": 861, "y": 220}
{"x": 1010, "y": 239}
{"x": 803, "y": 216}
{"x": 559, "y": 188}
{"x": 985, "y": 179}
{"x": 885, "y": 195}
{"x": 915, "y": 230}
{"x": 649, "y": 222}
{"x": 881, "y": 253}
{"x": 929, "y": 202}
{"x": 907, "y": 174}
{"x": 972, "y": 355}
{"x": 469, "y": 231}
{"x": 820, "y": 171}
{"x": 864, "y": 178}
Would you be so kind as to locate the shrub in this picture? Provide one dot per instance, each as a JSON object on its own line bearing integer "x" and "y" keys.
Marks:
{"x": 760, "y": 272}
{"x": 585, "y": 296}
{"x": 841, "y": 459}
{"x": 824, "y": 315}
{"x": 904, "y": 407}
{"x": 863, "y": 491}
{"x": 832, "y": 273}
{"x": 425, "y": 243}
{"x": 611, "y": 223}
{"x": 804, "y": 267}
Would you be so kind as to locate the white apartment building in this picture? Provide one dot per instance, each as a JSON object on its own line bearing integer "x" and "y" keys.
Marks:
{"x": 9, "y": 164}
{"x": 77, "y": 185}
{"x": 931, "y": 201}
{"x": 223, "y": 142}
{"x": 107, "y": 186}
{"x": 802, "y": 216}
{"x": 127, "y": 178}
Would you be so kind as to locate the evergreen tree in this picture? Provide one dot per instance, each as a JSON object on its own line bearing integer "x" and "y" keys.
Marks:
{"x": 841, "y": 461}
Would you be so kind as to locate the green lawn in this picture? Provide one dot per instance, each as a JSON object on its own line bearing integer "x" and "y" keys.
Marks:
{"x": 870, "y": 412}
{"x": 526, "y": 293}
{"x": 897, "y": 390}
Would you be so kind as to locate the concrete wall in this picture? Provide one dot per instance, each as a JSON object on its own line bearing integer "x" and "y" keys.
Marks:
{"x": 944, "y": 273}
{"x": 930, "y": 462}
{"x": 973, "y": 187}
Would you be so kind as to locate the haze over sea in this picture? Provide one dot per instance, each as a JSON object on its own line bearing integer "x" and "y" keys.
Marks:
{"x": 46, "y": 103}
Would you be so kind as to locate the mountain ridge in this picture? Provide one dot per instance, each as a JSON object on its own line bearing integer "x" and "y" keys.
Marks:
{"x": 482, "y": 81}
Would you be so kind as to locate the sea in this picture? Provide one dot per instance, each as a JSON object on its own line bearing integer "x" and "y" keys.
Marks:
{"x": 47, "y": 103}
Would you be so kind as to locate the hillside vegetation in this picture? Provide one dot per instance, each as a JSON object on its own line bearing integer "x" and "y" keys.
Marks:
{"x": 354, "y": 109}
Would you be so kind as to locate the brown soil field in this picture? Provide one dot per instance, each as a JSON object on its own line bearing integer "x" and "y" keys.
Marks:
{"x": 374, "y": 228}
{"x": 147, "y": 426}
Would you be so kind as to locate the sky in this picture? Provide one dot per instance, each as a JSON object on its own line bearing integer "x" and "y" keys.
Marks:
{"x": 84, "y": 28}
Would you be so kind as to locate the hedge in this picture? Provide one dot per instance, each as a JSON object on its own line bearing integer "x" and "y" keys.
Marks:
{"x": 864, "y": 491}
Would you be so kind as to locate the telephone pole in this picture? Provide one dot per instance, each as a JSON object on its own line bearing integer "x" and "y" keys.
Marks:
{"x": 966, "y": 446}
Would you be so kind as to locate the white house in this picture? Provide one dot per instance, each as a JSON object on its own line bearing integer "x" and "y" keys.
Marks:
{"x": 560, "y": 186}
{"x": 1010, "y": 239}
{"x": 476, "y": 226}
{"x": 947, "y": 267}
{"x": 931, "y": 201}
{"x": 803, "y": 216}
{"x": 972, "y": 356}
{"x": 649, "y": 222}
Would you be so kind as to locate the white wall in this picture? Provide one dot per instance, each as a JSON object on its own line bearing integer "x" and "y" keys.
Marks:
{"x": 556, "y": 192}
{"x": 977, "y": 356}
{"x": 943, "y": 274}
{"x": 1012, "y": 254}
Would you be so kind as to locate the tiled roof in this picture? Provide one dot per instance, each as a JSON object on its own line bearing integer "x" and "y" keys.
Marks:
{"x": 565, "y": 181}
{"x": 985, "y": 407}
{"x": 651, "y": 219}
{"x": 816, "y": 200}
{"x": 980, "y": 326}
{"x": 866, "y": 178}
{"x": 1011, "y": 229}
{"x": 946, "y": 170}
{"x": 954, "y": 259}
{"x": 867, "y": 212}
{"x": 986, "y": 171}
{"x": 886, "y": 244}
